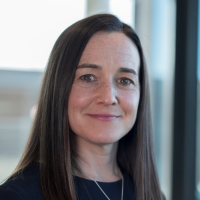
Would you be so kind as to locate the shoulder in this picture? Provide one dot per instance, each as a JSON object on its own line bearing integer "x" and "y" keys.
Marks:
{"x": 129, "y": 188}
{"x": 9, "y": 194}
{"x": 24, "y": 185}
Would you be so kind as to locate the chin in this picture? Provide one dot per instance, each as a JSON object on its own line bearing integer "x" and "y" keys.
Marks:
{"x": 105, "y": 140}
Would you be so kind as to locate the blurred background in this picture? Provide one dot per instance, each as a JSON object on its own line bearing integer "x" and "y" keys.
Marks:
{"x": 170, "y": 33}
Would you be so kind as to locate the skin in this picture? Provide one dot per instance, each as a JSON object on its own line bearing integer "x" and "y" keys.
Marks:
{"x": 103, "y": 102}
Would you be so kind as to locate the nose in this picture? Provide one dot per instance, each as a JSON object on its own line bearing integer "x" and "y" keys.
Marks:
{"x": 107, "y": 94}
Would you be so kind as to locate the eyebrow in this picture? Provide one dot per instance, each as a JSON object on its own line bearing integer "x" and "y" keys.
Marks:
{"x": 94, "y": 66}
{"x": 127, "y": 70}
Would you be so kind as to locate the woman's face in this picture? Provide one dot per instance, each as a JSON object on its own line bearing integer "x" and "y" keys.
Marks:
{"x": 104, "y": 97}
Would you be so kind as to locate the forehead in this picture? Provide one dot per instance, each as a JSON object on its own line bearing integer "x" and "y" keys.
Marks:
{"x": 111, "y": 49}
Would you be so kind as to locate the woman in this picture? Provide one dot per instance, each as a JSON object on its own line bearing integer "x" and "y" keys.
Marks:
{"x": 91, "y": 137}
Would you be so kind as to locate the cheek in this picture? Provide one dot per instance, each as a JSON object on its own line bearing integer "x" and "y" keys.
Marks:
{"x": 131, "y": 101}
{"x": 79, "y": 98}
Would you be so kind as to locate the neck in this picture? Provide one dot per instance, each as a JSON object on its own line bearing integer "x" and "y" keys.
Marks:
{"x": 98, "y": 161}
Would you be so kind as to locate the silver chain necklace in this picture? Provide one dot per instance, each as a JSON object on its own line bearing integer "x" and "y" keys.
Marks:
{"x": 122, "y": 193}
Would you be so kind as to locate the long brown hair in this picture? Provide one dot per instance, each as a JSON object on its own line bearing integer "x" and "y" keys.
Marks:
{"x": 51, "y": 140}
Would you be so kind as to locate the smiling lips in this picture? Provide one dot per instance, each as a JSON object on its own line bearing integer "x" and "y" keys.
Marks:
{"x": 104, "y": 117}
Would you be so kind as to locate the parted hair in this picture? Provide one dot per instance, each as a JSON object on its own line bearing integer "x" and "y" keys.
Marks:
{"x": 51, "y": 139}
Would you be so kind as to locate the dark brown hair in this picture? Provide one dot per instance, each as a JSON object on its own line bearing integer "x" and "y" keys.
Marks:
{"x": 51, "y": 143}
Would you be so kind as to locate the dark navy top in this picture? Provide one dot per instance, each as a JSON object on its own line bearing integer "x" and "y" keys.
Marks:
{"x": 26, "y": 186}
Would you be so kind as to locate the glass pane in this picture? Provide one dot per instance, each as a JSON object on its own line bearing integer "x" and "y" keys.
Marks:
{"x": 162, "y": 53}
{"x": 155, "y": 24}
{"x": 18, "y": 94}
{"x": 36, "y": 26}
{"x": 27, "y": 49}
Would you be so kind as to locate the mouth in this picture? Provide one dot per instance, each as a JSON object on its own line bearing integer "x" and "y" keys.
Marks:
{"x": 104, "y": 117}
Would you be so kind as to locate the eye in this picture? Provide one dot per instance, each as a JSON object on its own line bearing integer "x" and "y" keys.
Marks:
{"x": 125, "y": 81}
{"x": 87, "y": 78}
